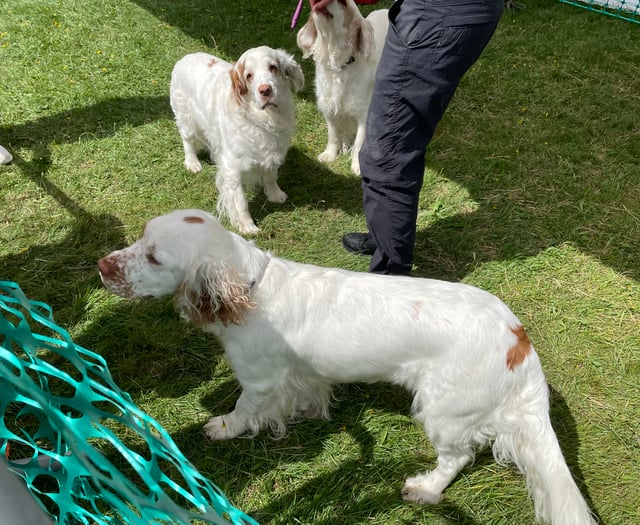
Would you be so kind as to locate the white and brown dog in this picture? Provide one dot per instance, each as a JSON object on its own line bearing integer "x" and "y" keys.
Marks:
{"x": 243, "y": 114}
{"x": 291, "y": 331}
{"x": 346, "y": 49}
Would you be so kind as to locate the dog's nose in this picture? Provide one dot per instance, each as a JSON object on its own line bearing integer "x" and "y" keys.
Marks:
{"x": 106, "y": 266}
{"x": 265, "y": 90}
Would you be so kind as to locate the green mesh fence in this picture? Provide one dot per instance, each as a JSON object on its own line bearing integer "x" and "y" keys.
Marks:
{"x": 87, "y": 453}
{"x": 624, "y": 9}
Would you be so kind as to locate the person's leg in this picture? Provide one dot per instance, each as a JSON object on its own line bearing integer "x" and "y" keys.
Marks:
{"x": 429, "y": 47}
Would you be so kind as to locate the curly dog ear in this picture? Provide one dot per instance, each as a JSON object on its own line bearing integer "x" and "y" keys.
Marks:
{"x": 213, "y": 292}
{"x": 361, "y": 37}
{"x": 291, "y": 68}
{"x": 238, "y": 82}
{"x": 306, "y": 38}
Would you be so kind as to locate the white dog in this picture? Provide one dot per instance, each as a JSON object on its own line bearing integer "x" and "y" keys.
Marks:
{"x": 243, "y": 113}
{"x": 346, "y": 49}
{"x": 291, "y": 331}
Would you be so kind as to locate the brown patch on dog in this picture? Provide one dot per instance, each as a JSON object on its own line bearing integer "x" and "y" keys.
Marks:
{"x": 520, "y": 349}
{"x": 229, "y": 311}
{"x": 212, "y": 62}
{"x": 221, "y": 296}
{"x": 238, "y": 83}
{"x": 193, "y": 220}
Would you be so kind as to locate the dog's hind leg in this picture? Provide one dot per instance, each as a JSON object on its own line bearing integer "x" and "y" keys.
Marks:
{"x": 232, "y": 200}
{"x": 428, "y": 487}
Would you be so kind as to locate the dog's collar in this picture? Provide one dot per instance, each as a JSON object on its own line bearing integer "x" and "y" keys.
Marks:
{"x": 351, "y": 60}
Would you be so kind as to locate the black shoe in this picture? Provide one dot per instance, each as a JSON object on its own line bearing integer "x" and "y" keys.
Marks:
{"x": 359, "y": 243}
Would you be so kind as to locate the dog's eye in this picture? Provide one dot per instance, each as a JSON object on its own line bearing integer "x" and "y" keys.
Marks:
{"x": 152, "y": 259}
{"x": 273, "y": 69}
{"x": 249, "y": 77}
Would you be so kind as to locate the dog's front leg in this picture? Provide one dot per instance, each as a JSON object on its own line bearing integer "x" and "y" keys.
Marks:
{"x": 241, "y": 419}
{"x": 357, "y": 145}
{"x": 232, "y": 200}
{"x": 330, "y": 153}
{"x": 271, "y": 188}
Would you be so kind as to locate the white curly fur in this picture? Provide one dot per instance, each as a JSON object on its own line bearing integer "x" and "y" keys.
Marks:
{"x": 291, "y": 331}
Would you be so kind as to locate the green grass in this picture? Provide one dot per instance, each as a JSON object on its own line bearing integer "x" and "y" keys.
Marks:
{"x": 532, "y": 191}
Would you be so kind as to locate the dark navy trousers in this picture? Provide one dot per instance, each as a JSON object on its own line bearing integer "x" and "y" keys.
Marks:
{"x": 430, "y": 45}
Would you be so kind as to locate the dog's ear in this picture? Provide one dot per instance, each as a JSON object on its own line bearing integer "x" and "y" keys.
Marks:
{"x": 291, "y": 69}
{"x": 238, "y": 82}
{"x": 361, "y": 37}
{"x": 306, "y": 38}
{"x": 214, "y": 292}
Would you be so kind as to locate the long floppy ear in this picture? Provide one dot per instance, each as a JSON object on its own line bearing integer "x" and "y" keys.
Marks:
{"x": 214, "y": 292}
{"x": 361, "y": 36}
{"x": 238, "y": 82}
{"x": 291, "y": 68}
{"x": 306, "y": 37}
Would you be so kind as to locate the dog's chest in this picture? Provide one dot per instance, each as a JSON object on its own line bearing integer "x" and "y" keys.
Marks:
{"x": 345, "y": 91}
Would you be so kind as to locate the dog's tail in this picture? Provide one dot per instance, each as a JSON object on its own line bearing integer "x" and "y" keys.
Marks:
{"x": 533, "y": 446}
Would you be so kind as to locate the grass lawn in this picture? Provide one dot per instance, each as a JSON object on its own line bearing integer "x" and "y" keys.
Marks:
{"x": 532, "y": 191}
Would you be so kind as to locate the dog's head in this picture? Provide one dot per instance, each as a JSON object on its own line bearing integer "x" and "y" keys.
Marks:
{"x": 189, "y": 254}
{"x": 335, "y": 32}
{"x": 263, "y": 76}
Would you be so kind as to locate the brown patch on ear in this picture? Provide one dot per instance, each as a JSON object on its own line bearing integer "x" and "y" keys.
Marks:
{"x": 361, "y": 37}
{"x": 193, "y": 220}
{"x": 238, "y": 84}
{"x": 212, "y": 62}
{"x": 306, "y": 37}
{"x": 222, "y": 298}
{"x": 520, "y": 349}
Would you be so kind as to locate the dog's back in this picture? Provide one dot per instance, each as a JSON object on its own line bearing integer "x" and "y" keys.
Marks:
{"x": 380, "y": 21}
{"x": 191, "y": 104}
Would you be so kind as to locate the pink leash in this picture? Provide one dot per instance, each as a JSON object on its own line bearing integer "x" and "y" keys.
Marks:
{"x": 296, "y": 14}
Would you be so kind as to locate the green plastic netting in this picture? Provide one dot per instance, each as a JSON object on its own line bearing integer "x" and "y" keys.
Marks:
{"x": 624, "y": 9}
{"x": 87, "y": 453}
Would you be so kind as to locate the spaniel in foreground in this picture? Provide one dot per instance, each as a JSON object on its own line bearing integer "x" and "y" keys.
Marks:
{"x": 291, "y": 331}
{"x": 346, "y": 49}
{"x": 243, "y": 114}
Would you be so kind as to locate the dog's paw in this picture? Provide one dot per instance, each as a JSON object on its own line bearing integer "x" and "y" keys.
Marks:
{"x": 221, "y": 427}
{"x": 416, "y": 490}
{"x": 328, "y": 155}
{"x": 193, "y": 166}
{"x": 355, "y": 166}
{"x": 248, "y": 228}
{"x": 277, "y": 196}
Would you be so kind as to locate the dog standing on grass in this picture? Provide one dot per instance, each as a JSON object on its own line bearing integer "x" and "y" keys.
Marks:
{"x": 346, "y": 49}
{"x": 291, "y": 331}
{"x": 243, "y": 114}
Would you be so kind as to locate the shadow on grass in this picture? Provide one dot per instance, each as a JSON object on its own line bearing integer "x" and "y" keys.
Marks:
{"x": 521, "y": 214}
{"x": 311, "y": 184}
{"x": 237, "y": 461}
{"x": 100, "y": 120}
{"x": 60, "y": 273}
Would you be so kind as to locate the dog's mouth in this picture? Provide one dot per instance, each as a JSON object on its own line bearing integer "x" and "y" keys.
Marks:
{"x": 269, "y": 103}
